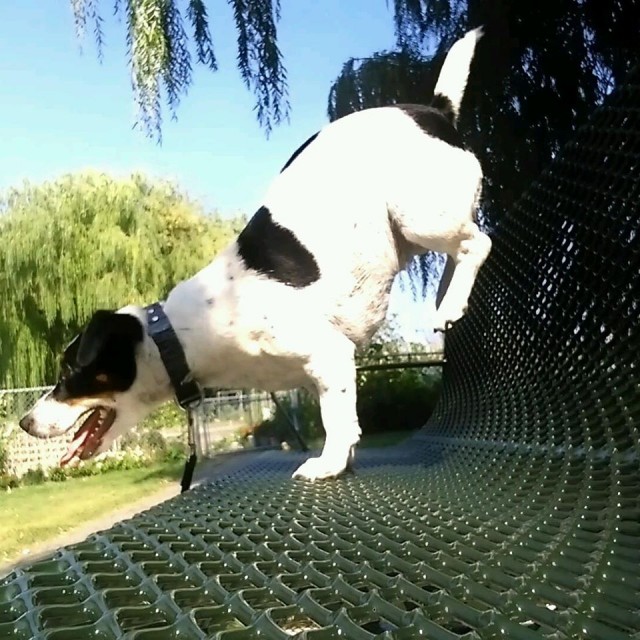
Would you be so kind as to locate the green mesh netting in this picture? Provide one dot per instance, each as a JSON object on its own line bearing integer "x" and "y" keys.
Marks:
{"x": 514, "y": 514}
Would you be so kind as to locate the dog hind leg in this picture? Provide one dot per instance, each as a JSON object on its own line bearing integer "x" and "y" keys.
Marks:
{"x": 447, "y": 226}
{"x": 472, "y": 250}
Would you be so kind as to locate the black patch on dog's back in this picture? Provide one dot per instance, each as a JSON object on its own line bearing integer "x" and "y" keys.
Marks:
{"x": 299, "y": 150}
{"x": 444, "y": 105}
{"x": 274, "y": 251}
{"x": 434, "y": 122}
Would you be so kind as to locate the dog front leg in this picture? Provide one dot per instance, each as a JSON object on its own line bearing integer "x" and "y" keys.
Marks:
{"x": 334, "y": 375}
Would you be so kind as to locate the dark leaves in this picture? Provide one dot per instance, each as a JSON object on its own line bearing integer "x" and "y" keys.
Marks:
{"x": 260, "y": 60}
{"x": 197, "y": 13}
{"x": 85, "y": 11}
{"x": 384, "y": 78}
{"x": 419, "y": 22}
{"x": 158, "y": 47}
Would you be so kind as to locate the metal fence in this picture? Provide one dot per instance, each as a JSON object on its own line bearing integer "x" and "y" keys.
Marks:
{"x": 228, "y": 419}
{"x": 19, "y": 452}
{"x": 224, "y": 421}
{"x": 15, "y": 402}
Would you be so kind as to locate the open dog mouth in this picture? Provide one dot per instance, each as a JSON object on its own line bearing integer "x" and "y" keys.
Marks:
{"x": 88, "y": 437}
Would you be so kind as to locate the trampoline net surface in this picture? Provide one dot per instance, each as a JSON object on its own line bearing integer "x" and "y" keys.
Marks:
{"x": 513, "y": 514}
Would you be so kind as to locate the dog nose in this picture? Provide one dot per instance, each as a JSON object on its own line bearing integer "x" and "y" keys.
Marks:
{"x": 26, "y": 423}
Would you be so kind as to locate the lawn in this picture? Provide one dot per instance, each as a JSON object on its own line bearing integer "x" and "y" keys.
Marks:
{"x": 33, "y": 514}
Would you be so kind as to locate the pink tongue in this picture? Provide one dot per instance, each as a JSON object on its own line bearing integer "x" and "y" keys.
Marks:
{"x": 74, "y": 446}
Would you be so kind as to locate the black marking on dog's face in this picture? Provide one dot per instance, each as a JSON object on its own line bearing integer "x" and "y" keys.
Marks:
{"x": 299, "y": 150}
{"x": 434, "y": 123}
{"x": 101, "y": 360}
{"x": 274, "y": 251}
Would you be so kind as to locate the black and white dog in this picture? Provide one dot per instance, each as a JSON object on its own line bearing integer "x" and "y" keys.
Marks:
{"x": 305, "y": 282}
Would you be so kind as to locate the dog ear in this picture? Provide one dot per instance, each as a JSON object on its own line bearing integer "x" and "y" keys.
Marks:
{"x": 103, "y": 327}
{"x": 71, "y": 350}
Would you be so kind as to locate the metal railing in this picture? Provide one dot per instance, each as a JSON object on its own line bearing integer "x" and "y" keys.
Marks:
{"x": 405, "y": 360}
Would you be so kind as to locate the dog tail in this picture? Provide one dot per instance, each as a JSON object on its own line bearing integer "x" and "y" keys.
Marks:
{"x": 449, "y": 91}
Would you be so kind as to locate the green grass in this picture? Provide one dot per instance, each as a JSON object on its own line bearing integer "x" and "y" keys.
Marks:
{"x": 31, "y": 515}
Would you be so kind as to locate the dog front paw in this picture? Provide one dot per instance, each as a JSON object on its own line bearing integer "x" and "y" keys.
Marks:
{"x": 321, "y": 468}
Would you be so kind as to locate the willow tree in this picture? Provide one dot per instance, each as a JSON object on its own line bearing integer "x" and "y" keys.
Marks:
{"x": 88, "y": 241}
{"x": 165, "y": 36}
{"x": 538, "y": 72}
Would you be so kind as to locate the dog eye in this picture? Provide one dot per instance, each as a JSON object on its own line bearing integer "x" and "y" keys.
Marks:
{"x": 65, "y": 370}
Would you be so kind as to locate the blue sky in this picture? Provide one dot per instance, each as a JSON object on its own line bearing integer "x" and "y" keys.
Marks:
{"x": 62, "y": 110}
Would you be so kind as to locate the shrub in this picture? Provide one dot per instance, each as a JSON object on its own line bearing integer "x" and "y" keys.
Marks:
{"x": 278, "y": 428}
{"x": 147, "y": 439}
{"x": 3, "y": 453}
{"x": 9, "y": 482}
{"x": 175, "y": 451}
{"x": 397, "y": 399}
{"x": 57, "y": 474}
{"x": 401, "y": 399}
{"x": 143, "y": 448}
{"x": 167, "y": 416}
{"x": 33, "y": 477}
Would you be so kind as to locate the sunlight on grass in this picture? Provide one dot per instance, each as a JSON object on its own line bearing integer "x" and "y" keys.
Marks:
{"x": 34, "y": 514}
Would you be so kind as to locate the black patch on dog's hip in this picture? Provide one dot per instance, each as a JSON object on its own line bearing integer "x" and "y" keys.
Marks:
{"x": 274, "y": 251}
{"x": 299, "y": 150}
{"x": 434, "y": 123}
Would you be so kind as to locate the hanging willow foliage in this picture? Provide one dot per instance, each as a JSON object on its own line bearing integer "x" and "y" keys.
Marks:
{"x": 84, "y": 242}
{"x": 158, "y": 48}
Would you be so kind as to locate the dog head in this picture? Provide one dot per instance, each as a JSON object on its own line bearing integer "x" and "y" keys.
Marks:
{"x": 110, "y": 378}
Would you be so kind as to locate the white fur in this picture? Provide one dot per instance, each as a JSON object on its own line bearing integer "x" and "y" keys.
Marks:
{"x": 369, "y": 193}
{"x": 49, "y": 418}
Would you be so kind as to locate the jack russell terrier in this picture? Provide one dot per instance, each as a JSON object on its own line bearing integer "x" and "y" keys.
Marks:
{"x": 305, "y": 282}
